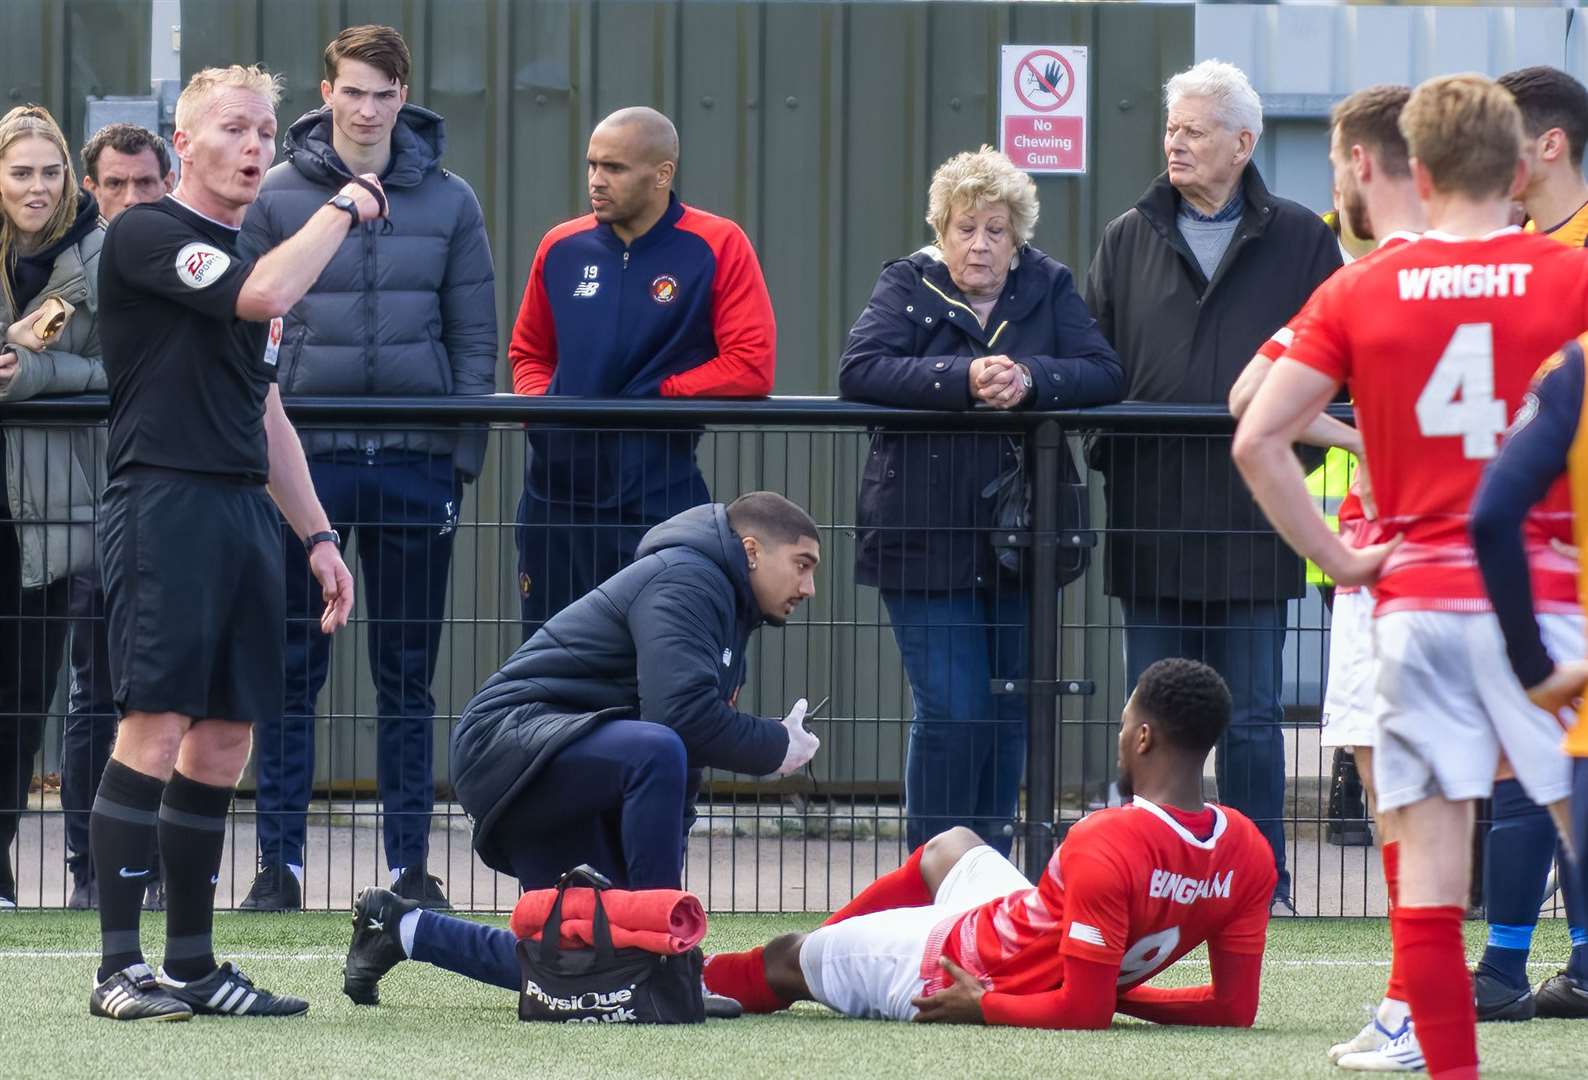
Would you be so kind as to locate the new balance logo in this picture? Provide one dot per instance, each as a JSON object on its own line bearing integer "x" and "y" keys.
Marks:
{"x": 586, "y": 289}
{"x": 1186, "y": 890}
{"x": 125, "y": 872}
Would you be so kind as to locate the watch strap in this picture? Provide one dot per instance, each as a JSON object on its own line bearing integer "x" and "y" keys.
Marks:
{"x": 314, "y": 539}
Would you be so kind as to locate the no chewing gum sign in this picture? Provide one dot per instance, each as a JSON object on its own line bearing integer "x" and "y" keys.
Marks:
{"x": 1042, "y": 107}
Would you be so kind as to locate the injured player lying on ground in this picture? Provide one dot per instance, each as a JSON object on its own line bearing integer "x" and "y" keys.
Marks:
{"x": 958, "y": 935}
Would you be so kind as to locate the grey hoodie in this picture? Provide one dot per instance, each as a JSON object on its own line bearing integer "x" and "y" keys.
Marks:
{"x": 410, "y": 313}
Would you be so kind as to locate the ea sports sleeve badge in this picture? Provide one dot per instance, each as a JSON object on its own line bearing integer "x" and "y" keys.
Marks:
{"x": 200, "y": 265}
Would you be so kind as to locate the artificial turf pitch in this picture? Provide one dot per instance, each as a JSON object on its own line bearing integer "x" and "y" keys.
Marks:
{"x": 432, "y": 1025}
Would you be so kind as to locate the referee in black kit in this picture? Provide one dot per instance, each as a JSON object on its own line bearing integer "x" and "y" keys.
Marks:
{"x": 190, "y": 542}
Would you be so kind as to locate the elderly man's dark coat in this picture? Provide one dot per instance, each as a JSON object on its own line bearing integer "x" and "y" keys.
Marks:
{"x": 1181, "y": 521}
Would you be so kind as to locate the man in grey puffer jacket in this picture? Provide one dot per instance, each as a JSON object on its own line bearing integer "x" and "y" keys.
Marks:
{"x": 409, "y": 310}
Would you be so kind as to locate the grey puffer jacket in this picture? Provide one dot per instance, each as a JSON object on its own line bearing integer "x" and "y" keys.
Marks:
{"x": 54, "y": 474}
{"x": 410, "y": 313}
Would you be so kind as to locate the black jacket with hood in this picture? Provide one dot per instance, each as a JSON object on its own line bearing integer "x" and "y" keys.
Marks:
{"x": 662, "y": 640}
{"x": 412, "y": 312}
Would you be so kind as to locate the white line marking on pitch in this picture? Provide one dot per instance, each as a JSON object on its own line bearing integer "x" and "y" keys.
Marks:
{"x": 309, "y": 957}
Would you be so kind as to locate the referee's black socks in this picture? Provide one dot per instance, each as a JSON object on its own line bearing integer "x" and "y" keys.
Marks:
{"x": 121, "y": 837}
{"x": 192, "y": 836}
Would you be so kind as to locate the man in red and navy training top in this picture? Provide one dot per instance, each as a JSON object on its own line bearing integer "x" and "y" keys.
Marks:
{"x": 642, "y": 297}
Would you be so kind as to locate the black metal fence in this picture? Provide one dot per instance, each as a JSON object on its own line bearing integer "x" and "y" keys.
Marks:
{"x": 1054, "y": 658}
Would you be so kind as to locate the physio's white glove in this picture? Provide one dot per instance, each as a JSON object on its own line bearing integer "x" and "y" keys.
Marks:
{"x": 802, "y": 745}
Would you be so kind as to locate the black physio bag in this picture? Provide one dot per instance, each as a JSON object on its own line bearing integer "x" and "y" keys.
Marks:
{"x": 603, "y": 985}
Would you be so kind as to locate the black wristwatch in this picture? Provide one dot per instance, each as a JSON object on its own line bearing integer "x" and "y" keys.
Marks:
{"x": 312, "y": 539}
{"x": 345, "y": 202}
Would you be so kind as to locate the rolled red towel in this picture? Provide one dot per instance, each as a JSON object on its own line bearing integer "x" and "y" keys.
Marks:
{"x": 656, "y": 920}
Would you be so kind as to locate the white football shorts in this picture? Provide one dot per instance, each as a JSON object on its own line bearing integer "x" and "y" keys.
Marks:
{"x": 1448, "y": 704}
{"x": 870, "y": 966}
{"x": 1348, "y": 700}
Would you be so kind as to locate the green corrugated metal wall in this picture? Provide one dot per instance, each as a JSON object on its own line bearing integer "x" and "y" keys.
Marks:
{"x": 58, "y": 52}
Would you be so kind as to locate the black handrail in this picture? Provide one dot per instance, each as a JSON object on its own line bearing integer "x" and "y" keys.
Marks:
{"x": 675, "y": 412}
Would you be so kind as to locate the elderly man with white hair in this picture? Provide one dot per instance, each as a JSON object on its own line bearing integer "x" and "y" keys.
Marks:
{"x": 1186, "y": 285}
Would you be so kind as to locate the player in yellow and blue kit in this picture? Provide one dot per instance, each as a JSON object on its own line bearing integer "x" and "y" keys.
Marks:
{"x": 1548, "y": 439}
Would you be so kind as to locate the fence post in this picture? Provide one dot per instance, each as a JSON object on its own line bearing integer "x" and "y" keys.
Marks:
{"x": 1044, "y": 464}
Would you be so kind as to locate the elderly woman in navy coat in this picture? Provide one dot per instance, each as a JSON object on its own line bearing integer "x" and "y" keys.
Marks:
{"x": 981, "y": 319}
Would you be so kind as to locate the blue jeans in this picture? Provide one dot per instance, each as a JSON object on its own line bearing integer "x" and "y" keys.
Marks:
{"x": 967, "y": 745}
{"x": 402, "y": 510}
{"x": 1245, "y": 643}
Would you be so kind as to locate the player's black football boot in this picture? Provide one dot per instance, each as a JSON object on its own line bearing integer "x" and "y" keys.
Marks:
{"x": 377, "y": 945}
{"x": 226, "y": 991}
{"x": 133, "y": 994}
{"x": 1560, "y": 997}
{"x": 1498, "y": 1000}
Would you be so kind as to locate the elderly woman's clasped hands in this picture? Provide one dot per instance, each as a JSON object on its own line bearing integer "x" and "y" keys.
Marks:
{"x": 999, "y": 381}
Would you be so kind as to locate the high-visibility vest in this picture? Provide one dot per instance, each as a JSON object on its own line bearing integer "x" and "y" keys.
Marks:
{"x": 1329, "y": 483}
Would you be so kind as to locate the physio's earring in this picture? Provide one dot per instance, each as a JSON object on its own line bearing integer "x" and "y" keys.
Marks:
{"x": 752, "y": 566}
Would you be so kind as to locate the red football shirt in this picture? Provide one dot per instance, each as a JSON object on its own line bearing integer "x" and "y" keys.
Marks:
{"x": 1129, "y": 886}
{"x": 1350, "y": 515}
{"x": 1437, "y": 341}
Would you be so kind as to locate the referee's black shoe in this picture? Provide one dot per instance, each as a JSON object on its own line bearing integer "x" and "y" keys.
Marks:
{"x": 275, "y": 888}
{"x": 226, "y": 991}
{"x": 133, "y": 994}
{"x": 377, "y": 944}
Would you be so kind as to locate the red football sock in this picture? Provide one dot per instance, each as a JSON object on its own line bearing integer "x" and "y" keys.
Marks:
{"x": 904, "y": 887}
{"x": 1432, "y": 958}
{"x": 742, "y": 976}
{"x": 1392, "y": 882}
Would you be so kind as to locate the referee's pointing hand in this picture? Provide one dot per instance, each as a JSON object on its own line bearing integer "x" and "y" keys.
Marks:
{"x": 336, "y": 585}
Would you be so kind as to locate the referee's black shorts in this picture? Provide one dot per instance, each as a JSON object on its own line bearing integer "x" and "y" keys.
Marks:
{"x": 194, "y": 595}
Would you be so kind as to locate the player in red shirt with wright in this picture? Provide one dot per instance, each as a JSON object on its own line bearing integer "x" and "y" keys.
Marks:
{"x": 958, "y": 935}
{"x": 1437, "y": 342}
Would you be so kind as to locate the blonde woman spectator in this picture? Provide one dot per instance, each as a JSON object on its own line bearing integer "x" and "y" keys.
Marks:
{"x": 980, "y": 318}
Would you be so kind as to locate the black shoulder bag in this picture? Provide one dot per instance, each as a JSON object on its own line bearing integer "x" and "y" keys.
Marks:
{"x": 1010, "y": 495}
{"x": 603, "y": 985}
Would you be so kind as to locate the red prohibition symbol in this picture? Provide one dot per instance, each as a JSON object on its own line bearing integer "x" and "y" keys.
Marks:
{"x": 1044, "y": 80}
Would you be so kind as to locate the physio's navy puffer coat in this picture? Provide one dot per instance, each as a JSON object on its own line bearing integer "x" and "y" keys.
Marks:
{"x": 411, "y": 313}
{"x": 661, "y": 640}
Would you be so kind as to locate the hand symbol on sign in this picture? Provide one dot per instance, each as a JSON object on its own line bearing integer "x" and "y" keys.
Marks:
{"x": 1053, "y": 74}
